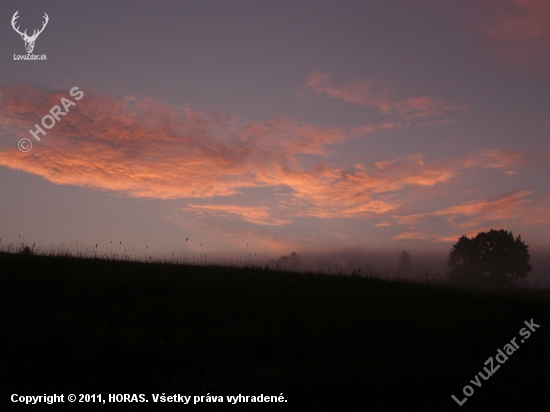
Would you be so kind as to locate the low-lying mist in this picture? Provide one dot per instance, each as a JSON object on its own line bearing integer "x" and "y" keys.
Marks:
{"x": 417, "y": 266}
{"x": 424, "y": 266}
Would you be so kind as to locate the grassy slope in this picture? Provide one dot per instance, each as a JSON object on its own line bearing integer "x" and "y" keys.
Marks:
{"x": 73, "y": 325}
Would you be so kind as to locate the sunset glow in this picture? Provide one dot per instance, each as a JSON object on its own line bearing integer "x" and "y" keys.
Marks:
{"x": 311, "y": 126}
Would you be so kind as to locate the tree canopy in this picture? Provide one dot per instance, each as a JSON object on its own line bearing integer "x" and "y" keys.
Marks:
{"x": 495, "y": 255}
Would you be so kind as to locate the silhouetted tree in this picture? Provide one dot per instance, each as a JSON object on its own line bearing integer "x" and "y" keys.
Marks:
{"x": 494, "y": 256}
{"x": 405, "y": 262}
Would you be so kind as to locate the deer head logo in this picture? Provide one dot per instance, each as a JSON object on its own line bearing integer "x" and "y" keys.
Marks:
{"x": 29, "y": 40}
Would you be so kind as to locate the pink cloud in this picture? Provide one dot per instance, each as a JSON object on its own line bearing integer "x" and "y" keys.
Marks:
{"x": 506, "y": 161}
{"x": 539, "y": 213}
{"x": 142, "y": 148}
{"x": 378, "y": 94}
{"x": 360, "y": 92}
{"x": 474, "y": 216}
{"x": 421, "y": 235}
{"x": 260, "y": 215}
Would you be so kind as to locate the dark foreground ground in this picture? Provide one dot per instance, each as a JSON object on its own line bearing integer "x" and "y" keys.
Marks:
{"x": 85, "y": 326}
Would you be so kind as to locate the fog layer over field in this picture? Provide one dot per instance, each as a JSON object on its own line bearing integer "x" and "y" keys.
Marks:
{"x": 425, "y": 266}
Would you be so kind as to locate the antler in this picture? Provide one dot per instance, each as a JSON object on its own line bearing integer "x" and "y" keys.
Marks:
{"x": 35, "y": 34}
{"x": 15, "y": 17}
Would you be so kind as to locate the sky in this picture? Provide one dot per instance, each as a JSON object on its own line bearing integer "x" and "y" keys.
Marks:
{"x": 274, "y": 126}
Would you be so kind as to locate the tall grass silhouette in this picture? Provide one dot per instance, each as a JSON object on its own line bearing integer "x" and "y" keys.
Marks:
{"x": 76, "y": 322}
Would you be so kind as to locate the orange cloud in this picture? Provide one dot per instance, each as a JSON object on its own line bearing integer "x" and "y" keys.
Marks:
{"x": 474, "y": 216}
{"x": 142, "y": 148}
{"x": 255, "y": 214}
{"x": 360, "y": 92}
{"x": 539, "y": 213}
{"x": 377, "y": 94}
{"x": 421, "y": 235}
{"x": 146, "y": 149}
{"x": 498, "y": 159}
{"x": 475, "y": 208}
{"x": 504, "y": 208}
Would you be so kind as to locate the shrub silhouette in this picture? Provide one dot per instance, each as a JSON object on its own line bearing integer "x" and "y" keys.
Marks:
{"x": 493, "y": 257}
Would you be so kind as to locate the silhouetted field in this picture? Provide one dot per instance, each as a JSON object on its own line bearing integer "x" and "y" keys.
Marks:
{"x": 334, "y": 343}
